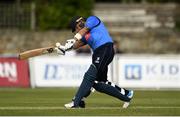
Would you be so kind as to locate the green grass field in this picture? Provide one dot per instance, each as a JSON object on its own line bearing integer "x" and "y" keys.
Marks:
{"x": 50, "y": 101}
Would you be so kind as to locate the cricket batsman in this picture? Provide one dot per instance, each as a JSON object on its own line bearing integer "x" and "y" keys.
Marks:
{"x": 92, "y": 31}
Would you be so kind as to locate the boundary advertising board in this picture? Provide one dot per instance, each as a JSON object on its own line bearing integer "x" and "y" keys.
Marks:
{"x": 63, "y": 71}
{"x": 13, "y": 72}
{"x": 150, "y": 71}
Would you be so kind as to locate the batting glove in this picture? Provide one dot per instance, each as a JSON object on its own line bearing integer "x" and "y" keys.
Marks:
{"x": 69, "y": 44}
{"x": 60, "y": 49}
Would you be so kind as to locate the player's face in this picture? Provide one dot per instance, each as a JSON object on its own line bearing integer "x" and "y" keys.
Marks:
{"x": 78, "y": 27}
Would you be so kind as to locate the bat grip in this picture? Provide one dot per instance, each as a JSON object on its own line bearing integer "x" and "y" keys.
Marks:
{"x": 50, "y": 50}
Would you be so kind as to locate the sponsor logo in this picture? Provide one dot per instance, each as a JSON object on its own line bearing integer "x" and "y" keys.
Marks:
{"x": 8, "y": 70}
{"x": 64, "y": 71}
{"x": 97, "y": 60}
{"x": 136, "y": 71}
{"x": 133, "y": 72}
{"x": 162, "y": 69}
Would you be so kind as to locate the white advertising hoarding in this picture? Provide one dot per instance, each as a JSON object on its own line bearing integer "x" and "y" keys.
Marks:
{"x": 149, "y": 71}
{"x": 62, "y": 71}
{"x": 58, "y": 71}
{"x": 136, "y": 71}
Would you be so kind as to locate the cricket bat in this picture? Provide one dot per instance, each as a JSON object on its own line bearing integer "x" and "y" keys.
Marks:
{"x": 36, "y": 52}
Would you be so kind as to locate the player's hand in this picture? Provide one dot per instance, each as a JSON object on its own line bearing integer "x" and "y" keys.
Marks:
{"x": 60, "y": 49}
{"x": 69, "y": 44}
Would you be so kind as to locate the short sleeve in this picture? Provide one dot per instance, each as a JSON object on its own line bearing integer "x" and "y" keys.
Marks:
{"x": 92, "y": 22}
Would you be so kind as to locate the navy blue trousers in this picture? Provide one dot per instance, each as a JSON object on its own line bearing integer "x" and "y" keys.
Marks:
{"x": 101, "y": 58}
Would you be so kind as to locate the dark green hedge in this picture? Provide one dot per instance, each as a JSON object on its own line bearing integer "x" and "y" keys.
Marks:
{"x": 139, "y": 1}
{"x": 56, "y": 14}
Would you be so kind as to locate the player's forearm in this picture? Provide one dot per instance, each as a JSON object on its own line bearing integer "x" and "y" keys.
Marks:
{"x": 81, "y": 33}
{"x": 78, "y": 38}
{"x": 77, "y": 44}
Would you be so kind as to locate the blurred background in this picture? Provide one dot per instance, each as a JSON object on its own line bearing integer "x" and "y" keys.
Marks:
{"x": 146, "y": 34}
{"x": 139, "y": 26}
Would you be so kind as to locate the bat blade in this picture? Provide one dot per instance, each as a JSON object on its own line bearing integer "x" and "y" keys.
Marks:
{"x": 35, "y": 52}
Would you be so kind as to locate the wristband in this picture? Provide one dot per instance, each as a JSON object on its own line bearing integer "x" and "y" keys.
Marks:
{"x": 78, "y": 36}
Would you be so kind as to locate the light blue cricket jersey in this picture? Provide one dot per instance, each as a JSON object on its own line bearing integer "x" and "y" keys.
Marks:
{"x": 97, "y": 35}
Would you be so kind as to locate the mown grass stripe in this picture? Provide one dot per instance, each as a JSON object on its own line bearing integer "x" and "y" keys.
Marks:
{"x": 90, "y": 108}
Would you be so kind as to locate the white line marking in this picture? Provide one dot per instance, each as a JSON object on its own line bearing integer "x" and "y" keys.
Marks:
{"x": 88, "y": 108}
